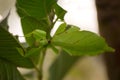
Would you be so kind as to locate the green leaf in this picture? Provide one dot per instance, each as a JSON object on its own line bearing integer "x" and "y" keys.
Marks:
{"x": 60, "y": 12}
{"x": 33, "y": 52}
{"x": 40, "y": 41}
{"x": 61, "y": 66}
{"x": 35, "y": 14}
{"x": 35, "y": 34}
{"x": 61, "y": 29}
{"x": 29, "y": 25}
{"x": 71, "y": 28}
{"x": 39, "y": 37}
{"x": 9, "y": 71}
{"x": 39, "y": 34}
{"x": 77, "y": 42}
{"x": 39, "y": 9}
{"x": 9, "y": 50}
{"x": 4, "y": 23}
{"x": 53, "y": 48}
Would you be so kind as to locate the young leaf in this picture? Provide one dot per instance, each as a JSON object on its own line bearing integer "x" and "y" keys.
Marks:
{"x": 39, "y": 37}
{"x": 60, "y": 12}
{"x": 77, "y": 42}
{"x": 39, "y": 42}
{"x": 39, "y": 34}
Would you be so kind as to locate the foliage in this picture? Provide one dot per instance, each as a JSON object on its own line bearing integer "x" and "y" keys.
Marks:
{"x": 37, "y": 19}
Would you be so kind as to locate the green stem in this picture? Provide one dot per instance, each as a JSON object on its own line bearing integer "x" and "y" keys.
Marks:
{"x": 55, "y": 21}
{"x": 48, "y": 21}
{"x": 40, "y": 65}
{"x": 36, "y": 68}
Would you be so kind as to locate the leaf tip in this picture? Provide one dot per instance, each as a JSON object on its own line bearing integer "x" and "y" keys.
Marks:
{"x": 109, "y": 49}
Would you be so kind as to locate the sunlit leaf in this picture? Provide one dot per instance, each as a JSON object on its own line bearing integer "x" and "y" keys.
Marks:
{"x": 77, "y": 42}
{"x": 61, "y": 28}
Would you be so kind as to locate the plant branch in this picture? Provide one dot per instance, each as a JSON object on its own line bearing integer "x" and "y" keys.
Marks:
{"x": 40, "y": 64}
{"x": 55, "y": 21}
{"x": 36, "y": 68}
